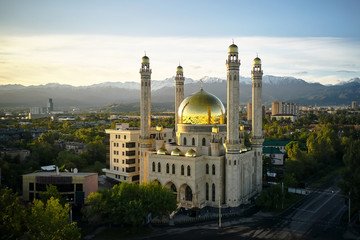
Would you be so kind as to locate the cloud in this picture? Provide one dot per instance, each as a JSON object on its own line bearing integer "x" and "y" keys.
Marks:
{"x": 346, "y": 71}
{"x": 90, "y": 59}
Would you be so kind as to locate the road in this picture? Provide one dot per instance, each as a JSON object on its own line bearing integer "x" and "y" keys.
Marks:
{"x": 317, "y": 216}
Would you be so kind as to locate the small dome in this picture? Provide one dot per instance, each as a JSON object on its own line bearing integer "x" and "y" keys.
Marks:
{"x": 145, "y": 59}
{"x": 176, "y": 152}
{"x": 190, "y": 153}
{"x": 179, "y": 69}
{"x": 161, "y": 151}
{"x": 257, "y": 61}
{"x": 233, "y": 48}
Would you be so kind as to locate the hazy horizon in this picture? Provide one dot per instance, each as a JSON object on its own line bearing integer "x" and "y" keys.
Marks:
{"x": 89, "y": 42}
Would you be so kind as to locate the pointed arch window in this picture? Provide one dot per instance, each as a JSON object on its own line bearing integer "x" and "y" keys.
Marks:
{"x": 213, "y": 192}
{"x": 204, "y": 142}
{"x": 182, "y": 169}
{"x": 193, "y": 141}
{"x": 153, "y": 167}
{"x": 173, "y": 169}
{"x": 213, "y": 169}
{"x": 167, "y": 168}
{"x": 159, "y": 167}
{"x": 207, "y": 191}
{"x": 184, "y": 141}
{"x": 207, "y": 169}
{"x": 188, "y": 171}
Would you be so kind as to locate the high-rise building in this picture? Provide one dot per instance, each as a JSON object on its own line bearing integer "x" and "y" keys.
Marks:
{"x": 50, "y": 106}
{"x": 354, "y": 105}
{"x": 284, "y": 108}
{"x": 204, "y": 165}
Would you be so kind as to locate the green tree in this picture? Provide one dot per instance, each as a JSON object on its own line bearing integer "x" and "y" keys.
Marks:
{"x": 51, "y": 191}
{"x": 351, "y": 174}
{"x": 51, "y": 221}
{"x": 70, "y": 160}
{"x": 12, "y": 215}
{"x": 294, "y": 152}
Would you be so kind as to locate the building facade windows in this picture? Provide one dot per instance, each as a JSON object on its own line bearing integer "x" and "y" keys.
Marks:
{"x": 188, "y": 171}
{"x": 213, "y": 192}
{"x": 207, "y": 169}
{"x": 207, "y": 191}
{"x": 167, "y": 168}
{"x": 173, "y": 169}
{"x": 213, "y": 169}
{"x": 153, "y": 167}
{"x": 182, "y": 169}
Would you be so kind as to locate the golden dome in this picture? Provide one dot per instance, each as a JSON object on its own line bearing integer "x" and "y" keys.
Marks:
{"x": 179, "y": 69}
{"x": 190, "y": 153}
{"x": 176, "y": 152}
{"x": 257, "y": 61}
{"x": 232, "y": 48}
{"x": 201, "y": 108}
{"x": 145, "y": 59}
{"x": 161, "y": 151}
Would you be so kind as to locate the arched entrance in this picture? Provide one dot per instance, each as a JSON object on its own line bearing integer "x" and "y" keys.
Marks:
{"x": 171, "y": 186}
{"x": 186, "y": 193}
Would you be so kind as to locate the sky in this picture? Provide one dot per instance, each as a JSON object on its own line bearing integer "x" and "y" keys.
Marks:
{"x": 86, "y": 42}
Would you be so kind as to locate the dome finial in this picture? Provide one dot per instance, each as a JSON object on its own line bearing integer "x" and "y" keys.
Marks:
{"x": 232, "y": 41}
{"x": 144, "y": 52}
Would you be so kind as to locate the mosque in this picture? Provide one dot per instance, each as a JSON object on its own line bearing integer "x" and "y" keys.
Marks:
{"x": 206, "y": 162}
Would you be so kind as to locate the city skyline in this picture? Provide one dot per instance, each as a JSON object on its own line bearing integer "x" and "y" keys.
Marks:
{"x": 88, "y": 42}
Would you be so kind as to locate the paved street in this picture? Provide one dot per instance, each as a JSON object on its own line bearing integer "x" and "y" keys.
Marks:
{"x": 317, "y": 216}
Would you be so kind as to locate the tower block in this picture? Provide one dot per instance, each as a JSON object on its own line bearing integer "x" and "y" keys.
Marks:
{"x": 233, "y": 167}
{"x": 257, "y": 137}
{"x": 145, "y": 117}
{"x": 179, "y": 92}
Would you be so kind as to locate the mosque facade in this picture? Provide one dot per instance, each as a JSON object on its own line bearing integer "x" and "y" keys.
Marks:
{"x": 206, "y": 163}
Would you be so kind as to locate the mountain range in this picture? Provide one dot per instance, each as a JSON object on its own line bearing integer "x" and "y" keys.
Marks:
{"x": 125, "y": 93}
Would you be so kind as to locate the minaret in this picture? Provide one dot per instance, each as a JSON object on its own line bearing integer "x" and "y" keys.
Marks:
{"x": 232, "y": 108}
{"x": 257, "y": 137}
{"x": 145, "y": 116}
{"x": 232, "y": 165}
{"x": 179, "y": 92}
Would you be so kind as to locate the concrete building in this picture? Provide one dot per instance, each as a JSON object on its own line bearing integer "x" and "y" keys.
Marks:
{"x": 284, "y": 108}
{"x": 74, "y": 186}
{"x": 124, "y": 163}
{"x": 206, "y": 165}
{"x": 354, "y": 105}
{"x": 50, "y": 106}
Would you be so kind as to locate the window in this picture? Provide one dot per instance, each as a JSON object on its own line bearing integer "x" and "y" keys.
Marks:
{"x": 167, "y": 168}
{"x": 207, "y": 168}
{"x": 207, "y": 191}
{"x": 79, "y": 187}
{"x": 173, "y": 169}
{"x": 213, "y": 192}
{"x": 159, "y": 167}
{"x": 188, "y": 171}
{"x": 153, "y": 167}
{"x": 213, "y": 169}
{"x": 204, "y": 142}
{"x": 124, "y": 136}
{"x": 184, "y": 140}
{"x": 193, "y": 141}
{"x": 31, "y": 186}
{"x": 182, "y": 169}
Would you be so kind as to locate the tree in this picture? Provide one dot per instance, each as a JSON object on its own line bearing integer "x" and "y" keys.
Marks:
{"x": 129, "y": 203}
{"x": 12, "y": 215}
{"x": 51, "y": 191}
{"x": 51, "y": 221}
{"x": 351, "y": 174}
{"x": 70, "y": 160}
{"x": 294, "y": 152}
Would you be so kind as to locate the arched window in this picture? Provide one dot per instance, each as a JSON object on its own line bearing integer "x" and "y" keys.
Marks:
{"x": 167, "y": 168}
{"x": 182, "y": 169}
{"x": 153, "y": 167}
{"x": 207, "y": 191}
{"x": 207, "y": 168}
{"x": 188, "y": 194}
{"x": 173, "y": 169}
{"x": 213, "y": 169}
{"x": 188, "y": 171}
{"x": 204, "y": 142}
{"x": 213, "y": 192}
{"x": 184, "y": 140}
{"x": 159, "y": 167}
{"x": 193, "y": 141}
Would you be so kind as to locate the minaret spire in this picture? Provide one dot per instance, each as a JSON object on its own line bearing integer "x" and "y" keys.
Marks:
{"x": 233, "y": 187}
{"x": 257, "y": 137}
{"x": 145, "y": 115}
{"x": 179, "y": 92}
